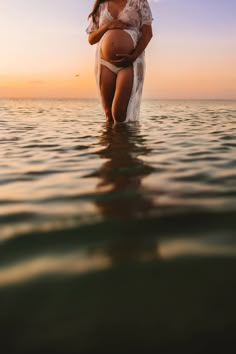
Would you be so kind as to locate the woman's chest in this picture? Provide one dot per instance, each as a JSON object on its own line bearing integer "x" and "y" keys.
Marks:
{"x": 129, "y": 14}
{"x": 116, "y": 7}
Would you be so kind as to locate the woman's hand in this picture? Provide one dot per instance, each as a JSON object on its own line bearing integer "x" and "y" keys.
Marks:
{"x": 128, "y": 59}
{"x": 94, "y": 37}
{"x": 117, "y": 24}
{"x": 125, "y": 60}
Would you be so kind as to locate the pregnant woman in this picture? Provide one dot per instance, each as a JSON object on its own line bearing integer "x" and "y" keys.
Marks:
{"x": 122, "y": 29}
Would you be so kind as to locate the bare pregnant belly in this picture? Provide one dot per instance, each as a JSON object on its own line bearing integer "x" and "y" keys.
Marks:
{"x": 116, "y": 41}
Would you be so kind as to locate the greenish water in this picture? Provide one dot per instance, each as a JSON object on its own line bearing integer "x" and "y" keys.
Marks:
{"x": 117, "y": 238}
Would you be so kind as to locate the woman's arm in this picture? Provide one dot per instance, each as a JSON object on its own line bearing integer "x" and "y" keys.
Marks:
{"x": 128, "y": 59}
{"x": 94, "y": 37}
{"x": 146, "y": 36}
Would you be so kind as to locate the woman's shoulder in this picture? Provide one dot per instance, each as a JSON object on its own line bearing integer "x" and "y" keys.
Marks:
{"x": 142, "y": 2}
{"x": 102, "y": 5}
{"x": 137, "y": 3}
{"x": 101, "y": 8}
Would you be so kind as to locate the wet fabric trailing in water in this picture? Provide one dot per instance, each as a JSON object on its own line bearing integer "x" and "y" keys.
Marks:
{"x": 135, "y": 14}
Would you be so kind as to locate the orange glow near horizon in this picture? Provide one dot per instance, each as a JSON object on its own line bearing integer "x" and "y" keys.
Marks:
{"x": 26, "y": 86}
{"x": 163, "y": 82}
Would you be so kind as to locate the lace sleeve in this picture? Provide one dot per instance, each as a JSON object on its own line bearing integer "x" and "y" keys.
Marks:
{"x": 93, "y": 25}
{"x": 145, "y": 11}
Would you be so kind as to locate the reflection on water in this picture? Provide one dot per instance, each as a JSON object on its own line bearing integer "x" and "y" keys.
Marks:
{"x": 73, "y": 263}
{"x": 120, "y": 252}
{"x": 122, "y": 173}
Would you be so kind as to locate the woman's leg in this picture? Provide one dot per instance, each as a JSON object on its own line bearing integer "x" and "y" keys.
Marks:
{"x": 107, "y": 89}
{"x": 123, "y": 90}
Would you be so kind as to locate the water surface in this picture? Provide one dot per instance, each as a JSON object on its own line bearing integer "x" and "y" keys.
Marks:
{"x": 111, "y": 220}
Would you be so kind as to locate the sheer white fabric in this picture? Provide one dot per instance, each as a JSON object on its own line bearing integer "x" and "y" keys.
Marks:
{"x": 135, "y": 14}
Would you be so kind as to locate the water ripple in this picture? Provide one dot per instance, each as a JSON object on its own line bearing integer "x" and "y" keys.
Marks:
{"x": 61, "y": 164}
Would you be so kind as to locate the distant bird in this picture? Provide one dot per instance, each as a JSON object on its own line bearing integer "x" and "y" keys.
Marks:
{"x": 77, "y": 75}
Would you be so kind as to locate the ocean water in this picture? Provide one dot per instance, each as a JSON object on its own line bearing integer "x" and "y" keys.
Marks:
{"x": 117, "y": 238}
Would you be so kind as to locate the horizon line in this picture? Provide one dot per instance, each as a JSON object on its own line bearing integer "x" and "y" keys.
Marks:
{"x": 144, "y": 98}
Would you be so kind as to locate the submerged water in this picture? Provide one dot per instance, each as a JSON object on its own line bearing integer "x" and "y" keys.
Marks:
{"x": 102, "y": 224}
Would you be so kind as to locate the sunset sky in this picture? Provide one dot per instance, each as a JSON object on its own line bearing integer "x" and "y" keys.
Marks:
{"x": 45, "y": 53}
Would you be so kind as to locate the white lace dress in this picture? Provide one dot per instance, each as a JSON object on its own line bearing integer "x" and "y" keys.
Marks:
{"x": 135, "y": 14}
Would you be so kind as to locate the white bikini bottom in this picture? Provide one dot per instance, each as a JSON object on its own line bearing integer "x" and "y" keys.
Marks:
{"x": 115, "y": 69}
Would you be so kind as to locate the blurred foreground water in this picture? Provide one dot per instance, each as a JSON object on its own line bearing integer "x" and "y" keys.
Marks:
{"x": 116, "y": 239}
